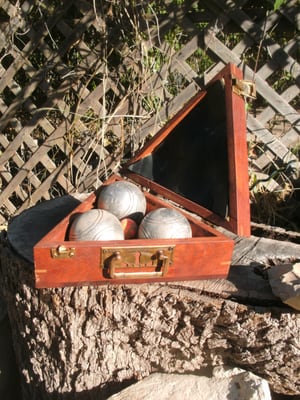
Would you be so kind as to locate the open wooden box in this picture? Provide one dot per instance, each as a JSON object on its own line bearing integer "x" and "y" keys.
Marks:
{"x": 197, "y": 164}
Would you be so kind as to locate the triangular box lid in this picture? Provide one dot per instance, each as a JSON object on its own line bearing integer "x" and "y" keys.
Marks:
{"x": 199, "y": 158}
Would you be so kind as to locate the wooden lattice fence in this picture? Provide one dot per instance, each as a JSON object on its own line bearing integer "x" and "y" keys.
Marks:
{"x": 84, "y": 83}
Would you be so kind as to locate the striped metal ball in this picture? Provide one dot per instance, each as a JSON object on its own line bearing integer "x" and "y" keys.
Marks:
{"x": 164, "y": 223}
{"x": 96, "y": 225}
{"x": 123, "y": 199}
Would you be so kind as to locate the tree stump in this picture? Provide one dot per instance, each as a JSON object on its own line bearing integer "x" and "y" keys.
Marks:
{"x": 88, "y": 342}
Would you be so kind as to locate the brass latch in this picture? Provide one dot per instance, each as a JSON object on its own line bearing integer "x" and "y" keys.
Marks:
{"x": 62, "y": 251}
{"x": 135, "y": 262}
{"x": 244, "y": 88}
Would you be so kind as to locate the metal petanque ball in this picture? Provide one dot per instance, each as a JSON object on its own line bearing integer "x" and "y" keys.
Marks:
{"x": 164, "y": 223}
{"x": 96, "y": 225}
{"x": 123, "y": 199}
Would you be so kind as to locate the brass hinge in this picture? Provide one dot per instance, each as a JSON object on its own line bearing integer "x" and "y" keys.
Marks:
{"x": 244, "y": 88}
{"x": 62, "y": 251}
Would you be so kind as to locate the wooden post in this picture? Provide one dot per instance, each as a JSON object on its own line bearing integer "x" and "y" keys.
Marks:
{"x": 86, "y": 342}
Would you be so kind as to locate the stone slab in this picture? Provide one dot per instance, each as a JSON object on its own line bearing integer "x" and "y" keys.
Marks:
{"x": 233, "y": 384}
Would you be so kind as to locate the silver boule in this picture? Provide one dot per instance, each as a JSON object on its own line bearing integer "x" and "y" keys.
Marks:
{"x": 164, "y": 223}
{"x": 123, "y": 199}
{"x": 96, "y": 225}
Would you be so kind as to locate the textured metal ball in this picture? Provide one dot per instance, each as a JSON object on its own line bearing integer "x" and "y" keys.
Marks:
{"x": 164, "y": 223}
{"x": 123, "y": 199}
{"x": 96, "y": 225}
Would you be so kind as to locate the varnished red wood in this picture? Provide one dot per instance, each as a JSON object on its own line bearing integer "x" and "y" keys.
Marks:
{"x": 239, "y": 201}
{"x": 238, "y": 220}
{"x": 206, "y": 255}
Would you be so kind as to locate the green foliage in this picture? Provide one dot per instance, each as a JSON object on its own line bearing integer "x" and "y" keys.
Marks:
{"x": 199, "y": 61}
{"x": 174, "y": 37}
{"x": 278, "y": 4}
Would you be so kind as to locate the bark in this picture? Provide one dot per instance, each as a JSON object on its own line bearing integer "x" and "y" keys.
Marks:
{"x": 86, "y": 342}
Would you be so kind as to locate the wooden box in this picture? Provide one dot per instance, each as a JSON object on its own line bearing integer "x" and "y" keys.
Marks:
{"x": 197, "y": 163}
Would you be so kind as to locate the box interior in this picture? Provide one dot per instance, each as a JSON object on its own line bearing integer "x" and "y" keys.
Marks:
{"x": 192, "y": 161}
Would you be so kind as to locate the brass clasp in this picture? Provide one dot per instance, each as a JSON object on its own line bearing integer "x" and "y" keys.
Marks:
{"x": 62, "y": 251}
{"x": 136, "y": 261}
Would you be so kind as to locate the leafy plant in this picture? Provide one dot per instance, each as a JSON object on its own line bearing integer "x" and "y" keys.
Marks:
{"x": 278, "y": 4}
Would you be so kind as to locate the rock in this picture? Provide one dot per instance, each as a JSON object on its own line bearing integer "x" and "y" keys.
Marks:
{"x": 285, "y": 283}
{"x": 232, "y": 384}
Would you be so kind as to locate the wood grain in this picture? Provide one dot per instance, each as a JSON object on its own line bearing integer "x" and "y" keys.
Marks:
{"x": 79, "y": 342}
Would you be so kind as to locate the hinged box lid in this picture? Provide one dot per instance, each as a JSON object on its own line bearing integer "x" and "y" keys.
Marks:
{"x": 199, "y": 158}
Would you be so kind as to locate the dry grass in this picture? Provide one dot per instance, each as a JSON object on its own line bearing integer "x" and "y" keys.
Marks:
{"x": 134, "y": 75}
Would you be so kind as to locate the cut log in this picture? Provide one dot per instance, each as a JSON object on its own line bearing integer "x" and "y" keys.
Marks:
{"x": 9, "y": 377}
{"x": 86, "y": 342}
